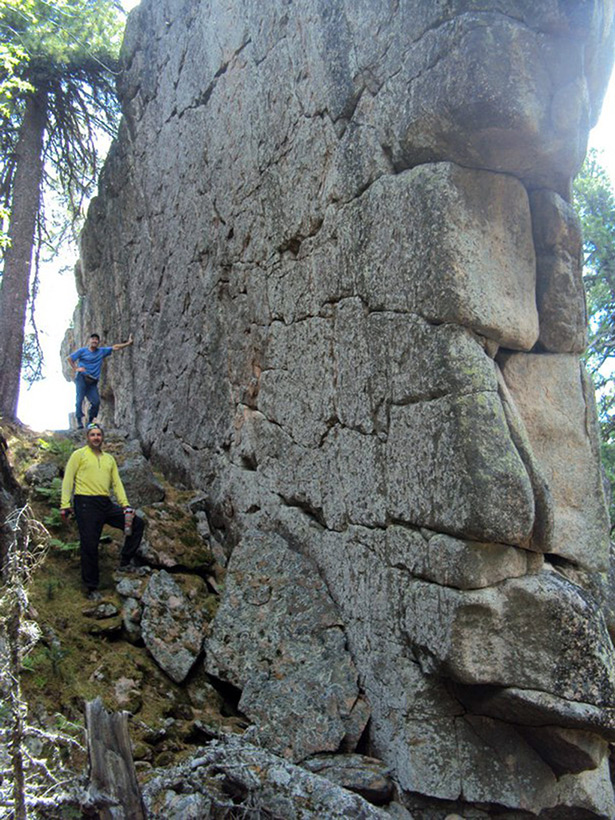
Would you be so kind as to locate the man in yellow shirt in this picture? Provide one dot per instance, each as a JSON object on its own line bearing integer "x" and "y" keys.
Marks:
{"x": 92, "y": 475}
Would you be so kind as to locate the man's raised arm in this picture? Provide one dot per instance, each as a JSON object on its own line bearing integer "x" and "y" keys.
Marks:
{"x": 121, "y": 345}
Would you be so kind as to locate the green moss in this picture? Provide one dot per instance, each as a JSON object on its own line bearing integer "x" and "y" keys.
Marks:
{"x": 211, "y": 605}
{"x": 88, "y": 663}
{"x": 56, "y": 448}
{"x": 190, "y": 539}
{"x": 80, "y": 658}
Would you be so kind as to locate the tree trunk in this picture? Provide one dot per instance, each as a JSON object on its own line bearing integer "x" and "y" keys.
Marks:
{"x": 113, "y": 792}
{"x": 18, "y": 256}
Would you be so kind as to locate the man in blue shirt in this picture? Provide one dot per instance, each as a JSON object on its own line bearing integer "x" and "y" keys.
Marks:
{"x": 87, "y": 364}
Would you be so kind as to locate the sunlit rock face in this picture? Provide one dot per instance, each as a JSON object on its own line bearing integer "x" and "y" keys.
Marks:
{"x": 342, "y": 237}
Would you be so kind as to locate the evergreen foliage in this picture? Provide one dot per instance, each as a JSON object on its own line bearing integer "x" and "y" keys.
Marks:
{"x": 68, "y": 49}
{"x": 594, "y": 199}
{"x": 58, "y": 63}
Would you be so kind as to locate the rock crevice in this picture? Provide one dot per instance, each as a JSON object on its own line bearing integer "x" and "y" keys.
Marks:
{"x": 356, "y": 246}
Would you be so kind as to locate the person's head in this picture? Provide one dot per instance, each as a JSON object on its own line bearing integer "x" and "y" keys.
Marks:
{"x": 93, "y": 341}
{"x": 94, "y": 435}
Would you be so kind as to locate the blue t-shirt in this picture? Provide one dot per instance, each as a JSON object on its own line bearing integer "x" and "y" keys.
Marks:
{"x": 91, "y": 359}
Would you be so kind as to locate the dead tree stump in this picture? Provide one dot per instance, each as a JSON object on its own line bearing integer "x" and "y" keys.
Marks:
{"x": 113, "y": 790}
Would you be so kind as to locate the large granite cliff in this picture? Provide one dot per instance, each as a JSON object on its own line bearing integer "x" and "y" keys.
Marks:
{"x": 342, "y": 237}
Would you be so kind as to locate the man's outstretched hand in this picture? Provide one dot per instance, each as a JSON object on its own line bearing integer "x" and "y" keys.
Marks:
{"x": 66, "y": 513}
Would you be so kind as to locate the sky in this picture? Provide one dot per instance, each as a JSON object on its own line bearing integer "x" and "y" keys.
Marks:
{"x": 47, "y": 404}
{"x": 602, "y": 136}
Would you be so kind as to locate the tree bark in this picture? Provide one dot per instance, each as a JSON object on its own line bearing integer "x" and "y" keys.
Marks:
{"x": 113, "y": 792}
{"x": 18, "y": 256}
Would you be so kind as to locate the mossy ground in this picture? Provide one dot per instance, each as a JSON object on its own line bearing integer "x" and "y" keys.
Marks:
{"x": 81, "y": 657}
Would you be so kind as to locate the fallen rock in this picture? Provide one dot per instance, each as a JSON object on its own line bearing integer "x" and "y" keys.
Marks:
{"x": 101, "y": 611}
{"x": 234, "y": 775}
{"x": 133, "y": 585}
{"x": 42, "y": 473}
{"x": 128, "y": 694}
{"x": 173, "y": 540}
{"x": 364, "y": 775}
{"x": 141, "y": 485}
{"x": 278, "y": 637}
{"x": 172, "y": 626}
{"x": 131, "y": 619}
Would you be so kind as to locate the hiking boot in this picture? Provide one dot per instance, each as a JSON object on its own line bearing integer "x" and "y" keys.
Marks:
{"x": 93, "y": 595}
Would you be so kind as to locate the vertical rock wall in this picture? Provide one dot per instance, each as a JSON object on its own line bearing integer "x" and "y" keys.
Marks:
{"x": 341, "y": 234}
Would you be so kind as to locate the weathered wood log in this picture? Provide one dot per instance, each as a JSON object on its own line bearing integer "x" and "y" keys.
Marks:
{"x": 113, "y": 790}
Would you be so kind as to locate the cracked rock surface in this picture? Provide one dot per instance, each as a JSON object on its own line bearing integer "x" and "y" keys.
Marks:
{"x": 341, "y": 235}
{"x": 277, "y": 636}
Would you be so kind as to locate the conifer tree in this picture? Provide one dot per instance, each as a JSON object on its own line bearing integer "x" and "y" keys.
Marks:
{"x": 594, "y": 199}
{"x": 57, "y": 90}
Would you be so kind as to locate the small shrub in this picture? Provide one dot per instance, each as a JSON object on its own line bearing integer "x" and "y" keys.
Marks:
{"x": 64, "y": 546}
{"x": 35, "y": 660}
{"x": 52, "y": 492}
{"x": 53, "y": 519}
{"x": 59, "y": 449}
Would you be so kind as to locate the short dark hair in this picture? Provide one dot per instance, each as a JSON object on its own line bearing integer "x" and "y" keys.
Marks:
{"x": 94, "y": 336}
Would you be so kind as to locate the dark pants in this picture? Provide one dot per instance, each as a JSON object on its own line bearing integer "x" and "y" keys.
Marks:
{"x": 92, "y": 513}
{"x": 89, "y": 391}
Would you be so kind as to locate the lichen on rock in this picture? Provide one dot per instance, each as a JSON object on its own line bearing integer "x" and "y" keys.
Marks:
{"x": 342, "y": 238}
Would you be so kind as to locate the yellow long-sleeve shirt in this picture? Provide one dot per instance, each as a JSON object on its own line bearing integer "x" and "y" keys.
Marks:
{"x": 90, "y": 474}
